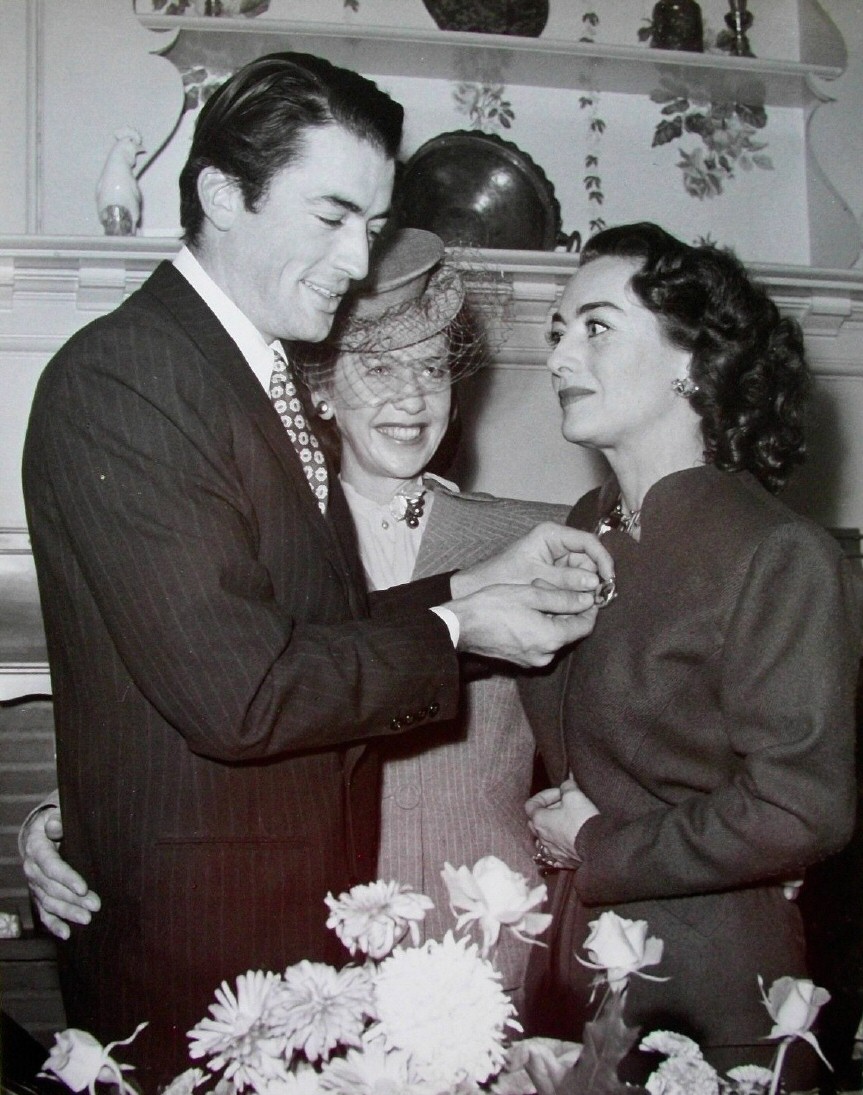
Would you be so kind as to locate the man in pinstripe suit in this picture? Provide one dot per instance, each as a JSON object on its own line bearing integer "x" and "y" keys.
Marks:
{"x": 216, "y": 667}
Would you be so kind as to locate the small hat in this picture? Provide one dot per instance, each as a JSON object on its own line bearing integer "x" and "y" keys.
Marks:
{"x": 410, "y": 295}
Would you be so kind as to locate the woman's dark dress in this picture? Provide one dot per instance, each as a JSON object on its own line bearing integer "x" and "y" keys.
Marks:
{"x": 710, "y": 719}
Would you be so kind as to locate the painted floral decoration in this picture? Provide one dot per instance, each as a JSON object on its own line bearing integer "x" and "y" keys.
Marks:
{"x": 726, "y": 128}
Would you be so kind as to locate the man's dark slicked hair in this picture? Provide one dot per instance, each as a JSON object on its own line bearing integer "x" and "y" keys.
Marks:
{"x": 254, "y": 124}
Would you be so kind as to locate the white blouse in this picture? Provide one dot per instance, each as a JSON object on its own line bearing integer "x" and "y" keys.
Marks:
{"x": 388, "y": 546}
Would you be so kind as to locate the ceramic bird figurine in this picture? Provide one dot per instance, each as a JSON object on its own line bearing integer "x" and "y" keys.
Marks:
{"x": 118, "y": 196}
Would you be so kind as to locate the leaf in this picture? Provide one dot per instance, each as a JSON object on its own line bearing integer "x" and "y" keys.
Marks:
{"x": 506, "y": 121}
{"x": 591, "y": 19}
{"x": 597, "y": 126}
{"x": 585, "y": 101}
{"x": 644, "y": 33}
{"x": 596, "y": 196}
{"x": 756, "y": 116}
{"x": 763, "y": 161}
{"x": 591, "y": 182}
{"x": 591, "y": 161}
{"x": 700, "y": 124}
{"x": 667, "y": 132}
{"x": 607, "y": 1040}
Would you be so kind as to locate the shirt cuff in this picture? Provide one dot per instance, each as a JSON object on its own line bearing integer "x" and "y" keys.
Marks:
{"x": 451, "y": 621}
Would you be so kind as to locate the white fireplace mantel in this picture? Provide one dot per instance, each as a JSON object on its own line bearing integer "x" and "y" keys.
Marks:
{"x": 63, "y": 282}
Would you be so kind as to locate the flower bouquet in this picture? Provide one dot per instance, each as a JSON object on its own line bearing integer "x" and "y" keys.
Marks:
{"x": 411, "y": 1018}
{"x": 403, "y": 1018}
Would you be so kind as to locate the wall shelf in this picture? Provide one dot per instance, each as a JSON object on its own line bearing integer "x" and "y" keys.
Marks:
{"x": 533, "y": 62}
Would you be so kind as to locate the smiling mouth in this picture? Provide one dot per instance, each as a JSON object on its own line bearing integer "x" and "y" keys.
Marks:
{"x": 328, "y": 295}
{"x": 567, "y": 396}
{"x": 403, "y": 434}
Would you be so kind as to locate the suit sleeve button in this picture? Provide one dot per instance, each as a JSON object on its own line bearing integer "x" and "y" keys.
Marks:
{"x": 433, "y": 708}
{"x": 408, "y": 720}
{"x": 395, "y": 724}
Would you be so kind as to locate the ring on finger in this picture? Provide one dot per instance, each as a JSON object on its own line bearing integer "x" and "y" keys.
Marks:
{"x": 543, "y": 857}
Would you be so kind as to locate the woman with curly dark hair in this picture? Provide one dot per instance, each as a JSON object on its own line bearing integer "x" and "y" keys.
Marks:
{"x": 701, "y": 738}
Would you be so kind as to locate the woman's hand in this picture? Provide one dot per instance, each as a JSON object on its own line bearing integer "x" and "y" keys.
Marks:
{"x": 59, "y": 893}
{"x": 556, "y": 816}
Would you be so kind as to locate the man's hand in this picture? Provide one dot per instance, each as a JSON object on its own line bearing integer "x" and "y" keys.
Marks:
{"x": 525, "y": 625}
{"x": 523, "y": 604}
{"x": 60, "y": 894}
{"x": 551, "y": 554}
{"x": 556, "y": 816}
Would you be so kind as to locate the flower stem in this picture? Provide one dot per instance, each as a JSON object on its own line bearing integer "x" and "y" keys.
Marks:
{"x": 777, "y": 1068}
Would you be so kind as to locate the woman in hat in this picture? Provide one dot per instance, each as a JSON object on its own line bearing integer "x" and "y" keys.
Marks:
{"x": 381, "y": 388}
{"x": 384, "y": 381}
{"x": 702, "y": 737}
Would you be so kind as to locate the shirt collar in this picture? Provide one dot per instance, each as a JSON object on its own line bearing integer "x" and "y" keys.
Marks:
{"x": 250, "y": 342}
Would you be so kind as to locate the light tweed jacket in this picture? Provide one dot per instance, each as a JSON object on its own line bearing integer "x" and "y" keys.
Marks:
{"x": 458, "y": 792}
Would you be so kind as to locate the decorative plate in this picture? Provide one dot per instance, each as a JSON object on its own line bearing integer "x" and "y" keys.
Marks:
{"x": 476, "y": 190}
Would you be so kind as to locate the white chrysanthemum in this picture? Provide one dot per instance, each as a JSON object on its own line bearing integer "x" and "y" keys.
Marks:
{"x": 751, "y": 1079}
{"x": 684, "y": 1076}
{"x": 374, "y": 917}
{"x": 372, "y": 1070}
{"x": 240, "y": 1036}
{"x": 321, "y": 1008}
{"x": 671, "y": 1044}
{"x": 442, "y": 1003}
{"x": 495, "y": 896}
{"x": 186, "y": 1082}
{"x": 302, "y": 1080}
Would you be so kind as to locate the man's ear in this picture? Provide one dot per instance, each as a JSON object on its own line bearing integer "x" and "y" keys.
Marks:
{"x": 220, "y": 196}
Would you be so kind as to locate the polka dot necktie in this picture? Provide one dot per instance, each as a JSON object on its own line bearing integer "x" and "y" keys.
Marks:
{"x": 283, "y": 393}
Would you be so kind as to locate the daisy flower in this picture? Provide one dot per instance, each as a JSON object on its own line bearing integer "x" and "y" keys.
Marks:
{"x": 453, "y": 1028}
{"x": 301, "y": 1080}
{"x": 371, "y": 1071}
{"x": 186, "y": 1082}
{"x": 239, "y": 1037}
{"x": 321, "y": 1008}
{"x": 374, "y": 917}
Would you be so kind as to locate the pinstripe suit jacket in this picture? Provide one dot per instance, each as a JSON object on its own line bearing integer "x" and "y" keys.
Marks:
{"x": 213, "y": 666}
{"x": 458, "y": 793}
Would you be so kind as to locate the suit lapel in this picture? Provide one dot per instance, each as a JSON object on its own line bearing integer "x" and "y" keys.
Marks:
{"x": 450, "y": 542}
{"x": 222, "y": 354}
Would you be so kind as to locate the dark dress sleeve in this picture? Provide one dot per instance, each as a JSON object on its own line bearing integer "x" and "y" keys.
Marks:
{"x": 787, "y": 674}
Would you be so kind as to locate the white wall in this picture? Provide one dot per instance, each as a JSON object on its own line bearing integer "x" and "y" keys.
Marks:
{"x": 72, "y": 71}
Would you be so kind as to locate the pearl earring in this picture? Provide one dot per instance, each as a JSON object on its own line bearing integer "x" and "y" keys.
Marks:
{"x": 322, "y": 408}
{"x": 684, "y": 386}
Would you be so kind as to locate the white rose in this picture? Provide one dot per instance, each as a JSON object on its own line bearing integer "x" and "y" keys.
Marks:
{"x": 495, "y": 896}
{"x": 621, "y": 947}
{"x": 793, "y": 1004}
{"x": 76, "y": 1058}
{"x": 79, "y": 1060}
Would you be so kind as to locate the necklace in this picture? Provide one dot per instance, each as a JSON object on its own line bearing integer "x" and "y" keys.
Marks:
{"x": 618, "y": 520}
{"x": 408, "y": 506}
